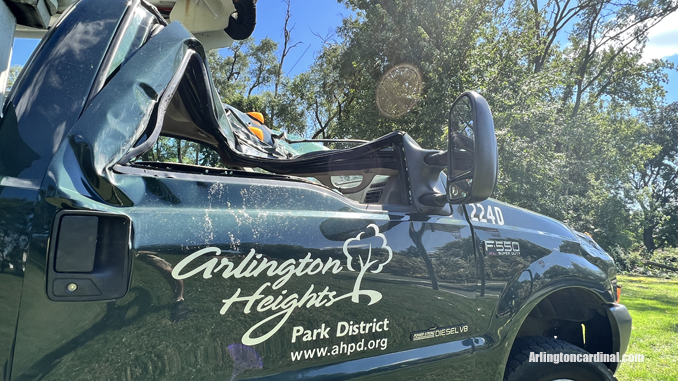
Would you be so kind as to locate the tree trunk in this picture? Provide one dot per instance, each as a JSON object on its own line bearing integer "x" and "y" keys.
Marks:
{"x": 648, "y": 238}
{"x": 660, "y": 265}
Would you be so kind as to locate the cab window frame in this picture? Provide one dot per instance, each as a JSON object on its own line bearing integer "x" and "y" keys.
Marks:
{"x": 105, "y": 72}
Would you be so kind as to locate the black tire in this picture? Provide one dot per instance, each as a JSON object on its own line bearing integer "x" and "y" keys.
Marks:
{"x": 519, "y": 367}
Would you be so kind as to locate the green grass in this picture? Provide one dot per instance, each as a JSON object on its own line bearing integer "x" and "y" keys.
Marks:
{"x": 653, "y": 304}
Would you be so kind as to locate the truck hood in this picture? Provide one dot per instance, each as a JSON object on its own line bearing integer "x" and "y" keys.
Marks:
{"x": 521, "y": 219}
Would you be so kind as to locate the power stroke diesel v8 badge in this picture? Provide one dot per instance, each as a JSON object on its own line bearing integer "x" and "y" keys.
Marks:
{"x": 438, "y": 332}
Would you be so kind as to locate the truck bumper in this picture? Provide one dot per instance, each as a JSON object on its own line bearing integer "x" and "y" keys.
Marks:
{"x": 621, "y": 320}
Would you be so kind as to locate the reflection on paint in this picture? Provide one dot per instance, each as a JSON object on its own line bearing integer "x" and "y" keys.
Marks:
{"x": 245, "y": 358}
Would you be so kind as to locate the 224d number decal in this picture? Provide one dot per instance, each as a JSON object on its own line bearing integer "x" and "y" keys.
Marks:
{"x": 480, "y": 214}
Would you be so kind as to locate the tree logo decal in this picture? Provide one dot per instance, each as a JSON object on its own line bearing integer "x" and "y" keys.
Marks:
{"x": 272, "y": 302}
{"x": 368, "y": 262}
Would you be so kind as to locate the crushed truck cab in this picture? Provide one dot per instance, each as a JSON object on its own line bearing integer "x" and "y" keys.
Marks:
{"x": 289, "y": 261}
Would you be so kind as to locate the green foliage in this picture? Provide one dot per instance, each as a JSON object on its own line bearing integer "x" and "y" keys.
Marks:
{"x": 637, "y": 260}
{"x": 231, "y": 74}
{"x": 13, "y": 75}
{"x": 291, "y": 104}
{"x": 653, "y": 185}
{"x": 566, "y": 116}
{"x": 250, "y": 78}
{"x": 667, "y": 257}
{"x": 171, "y": 150}
{"x": 437, "y": 37}
{"x": 243, "y": 79}
{"x": 322, "y": 97}
{"x": 579, "y": 117}
{"x": 264, "y": 64}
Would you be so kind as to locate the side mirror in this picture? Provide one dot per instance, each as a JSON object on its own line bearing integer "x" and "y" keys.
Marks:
{"x": 472, "y": 164}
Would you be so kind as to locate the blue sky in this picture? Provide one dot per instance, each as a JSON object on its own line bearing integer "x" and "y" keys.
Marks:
{"x": 322, "y": 17}
{"x": 663, "y": 43}
{"x": 308, "y": 17}
{"x": 672, "y": 87}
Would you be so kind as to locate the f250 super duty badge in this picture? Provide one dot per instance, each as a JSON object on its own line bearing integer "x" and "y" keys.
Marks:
{"x": 496, "y": 247}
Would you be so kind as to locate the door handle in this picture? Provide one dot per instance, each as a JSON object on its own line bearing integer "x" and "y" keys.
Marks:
{"x": 89, "y": 256}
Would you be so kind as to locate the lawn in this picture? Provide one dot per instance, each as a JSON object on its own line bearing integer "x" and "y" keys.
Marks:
{"x": 653, "y": 303}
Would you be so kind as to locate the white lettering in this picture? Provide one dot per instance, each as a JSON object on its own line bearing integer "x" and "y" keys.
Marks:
{"x": 271, "y": 296}
{"x": 296, "y": 331}
{"x": 206, "y": 267}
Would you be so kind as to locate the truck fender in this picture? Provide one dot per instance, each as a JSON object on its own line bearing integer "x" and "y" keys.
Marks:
{"x": 524, "y": 293}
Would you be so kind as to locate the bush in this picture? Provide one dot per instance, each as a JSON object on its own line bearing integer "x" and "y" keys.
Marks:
{"x": 627, "y": 261}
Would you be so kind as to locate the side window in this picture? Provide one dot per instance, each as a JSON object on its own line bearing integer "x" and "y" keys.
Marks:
{"x": 172, "y": 150}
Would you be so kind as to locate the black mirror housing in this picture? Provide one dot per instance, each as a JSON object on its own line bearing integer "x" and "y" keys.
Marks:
{"x": 472, "y": 164}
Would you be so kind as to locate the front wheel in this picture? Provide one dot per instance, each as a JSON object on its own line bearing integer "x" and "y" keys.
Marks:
{"x": 519, "y": 366}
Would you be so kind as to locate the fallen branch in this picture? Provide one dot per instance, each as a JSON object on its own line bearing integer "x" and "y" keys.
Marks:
{"x": 651, "y": 263}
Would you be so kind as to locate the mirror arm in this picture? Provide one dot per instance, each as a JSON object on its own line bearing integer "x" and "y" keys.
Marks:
{"x": 436, "y": 159}
{"x": 433, "y": 199}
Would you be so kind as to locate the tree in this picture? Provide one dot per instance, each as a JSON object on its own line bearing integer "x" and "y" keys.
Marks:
{"x": 290, "y": 105}
{"x": 654, "y": 185}
{"x": 564, "y": 79}
{"x": 231, "y": 74}
{"x": 320, "y": 96}
{"x": 280, "y": 80}
{"x": 264, "y": 64}
{"x": 251, "y": 79}
{"x": 566, "y": 114}
{"x": 250, "y": 67}
{"x": 172, "y": 150}
{"x": 435, "y": 36}
{"x": 13, "y": 75}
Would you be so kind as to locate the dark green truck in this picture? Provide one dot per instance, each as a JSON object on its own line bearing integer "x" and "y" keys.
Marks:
{"x": 293, "y": 261}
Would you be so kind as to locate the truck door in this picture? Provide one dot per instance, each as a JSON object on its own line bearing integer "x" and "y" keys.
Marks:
{"x": 235, "y": 277}
{"x": 149, "y": 271}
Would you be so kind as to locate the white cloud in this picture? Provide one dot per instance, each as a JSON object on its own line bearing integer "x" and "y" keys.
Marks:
{"x": 663, "y": 39}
